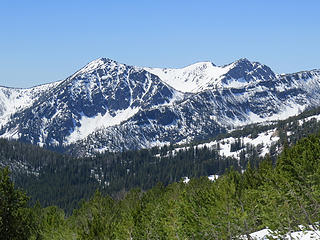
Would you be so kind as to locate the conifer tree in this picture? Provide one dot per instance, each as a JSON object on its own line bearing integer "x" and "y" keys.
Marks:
{"x": 16, "y": 222}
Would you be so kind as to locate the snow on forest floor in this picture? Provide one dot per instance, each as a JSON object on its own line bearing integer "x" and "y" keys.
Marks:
{"x": 265, "y": 234}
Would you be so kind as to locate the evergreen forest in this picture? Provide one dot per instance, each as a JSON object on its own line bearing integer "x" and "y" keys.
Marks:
{"x": 279, "y": 196}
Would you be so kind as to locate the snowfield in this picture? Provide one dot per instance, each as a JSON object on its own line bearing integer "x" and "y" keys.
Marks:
{"x": 89, "y": 125}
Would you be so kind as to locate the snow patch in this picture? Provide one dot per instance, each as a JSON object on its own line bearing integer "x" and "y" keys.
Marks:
{"x": 266, "y": 233}
{"x": 236, "y": 83}
{"x": 12, "y": 134}
{"x": 186, "y": 180}
{"x": 316, "y": 117}
{"x": 89, "y": 125}
{"x": 213, "y": 177}
{"x": 265, "y": 140}
{"x": 289, "y": 110}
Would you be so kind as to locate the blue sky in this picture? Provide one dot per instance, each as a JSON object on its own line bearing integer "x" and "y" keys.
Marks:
{"x": 45, "y": 41}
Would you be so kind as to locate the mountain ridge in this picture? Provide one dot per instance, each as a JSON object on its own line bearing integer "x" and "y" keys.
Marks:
{"x": 112, "y": 106}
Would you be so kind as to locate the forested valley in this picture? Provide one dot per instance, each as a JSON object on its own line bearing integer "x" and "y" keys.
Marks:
{"x": 280, "y": 197}
{"x": 141, "y": 194}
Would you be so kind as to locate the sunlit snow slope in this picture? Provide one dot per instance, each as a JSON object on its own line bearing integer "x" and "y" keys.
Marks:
{"x": 193, "y": 78}
{"x": 13, "y": 100}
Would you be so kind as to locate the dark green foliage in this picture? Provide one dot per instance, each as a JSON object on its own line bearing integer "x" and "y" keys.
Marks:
{"x": 56, "y": 179}
{"x": 16, "y": 220}
{"x": 237, "y": 145}
{"x": 280, "y": 197}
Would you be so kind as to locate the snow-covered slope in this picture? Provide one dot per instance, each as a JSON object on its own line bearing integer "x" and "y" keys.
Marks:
{"x": 102, "y": 94}
{"x": 193, "y": 78}
{"x": 205, "y": 75}
{"x": 13, "y": 100}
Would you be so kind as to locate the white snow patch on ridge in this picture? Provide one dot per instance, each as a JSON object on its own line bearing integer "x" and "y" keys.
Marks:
{"x": 290, "y": 109}
{"x": 193, "y": 78}
{"x": 236, "y": 83}
{"x": 90, "y": 124}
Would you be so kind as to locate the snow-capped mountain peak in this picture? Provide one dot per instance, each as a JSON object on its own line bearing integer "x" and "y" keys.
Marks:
{"x": 193, "y": 78}
{"x": 205, "y": 75}
{"x": 102, "y": 94}
{"x": 107, "y": 105}
{"x": 100, "y": 63}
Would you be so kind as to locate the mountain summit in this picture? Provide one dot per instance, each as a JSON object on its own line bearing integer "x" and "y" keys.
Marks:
{"x": 205, "y": 75}
{"x": 111, "y": 106}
